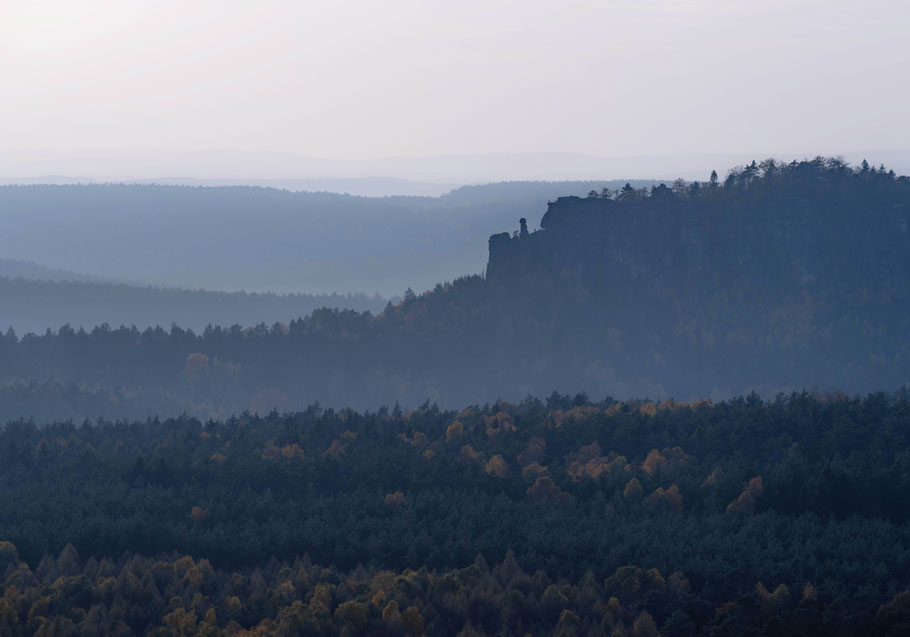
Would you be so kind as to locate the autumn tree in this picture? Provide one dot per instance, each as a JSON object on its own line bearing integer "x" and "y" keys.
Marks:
{"x": 745, "y": 502}
{"x": 633, "y": 490}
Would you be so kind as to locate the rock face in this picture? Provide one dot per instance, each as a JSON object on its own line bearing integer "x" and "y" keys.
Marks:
{"x": 794, "y": 278}
{"x": 784, "y": 244}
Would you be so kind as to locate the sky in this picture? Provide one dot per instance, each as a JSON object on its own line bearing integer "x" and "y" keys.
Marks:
{"x": 361, "y": 81}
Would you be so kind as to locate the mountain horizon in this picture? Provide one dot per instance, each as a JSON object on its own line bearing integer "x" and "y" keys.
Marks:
{"x": 421, "y": 175}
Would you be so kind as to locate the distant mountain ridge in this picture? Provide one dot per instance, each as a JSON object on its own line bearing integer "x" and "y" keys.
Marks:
{"x": 360, "y": 187}
{"x": 264, "y": 239}
{"x": 239, "y": 164}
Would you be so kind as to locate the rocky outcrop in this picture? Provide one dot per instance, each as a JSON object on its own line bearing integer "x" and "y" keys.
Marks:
{"x": 784, "y": 243}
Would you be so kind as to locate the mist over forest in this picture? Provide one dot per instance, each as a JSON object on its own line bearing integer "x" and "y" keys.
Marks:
{"x": 780, "y": 277}
{"x": 466, "y": 319}
{"x": 255, "y": 239}
{"x": 530, "y": 443}
{"x": 37, "y": 305}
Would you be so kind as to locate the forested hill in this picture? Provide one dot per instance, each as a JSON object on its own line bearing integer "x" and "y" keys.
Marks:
{"x": 30, "y": 305}
{"x": 779, "y": 277}
{"x": 768, "y": 229}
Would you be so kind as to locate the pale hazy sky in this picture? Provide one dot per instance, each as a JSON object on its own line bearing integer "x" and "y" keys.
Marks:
{"x": 361, "y": 80}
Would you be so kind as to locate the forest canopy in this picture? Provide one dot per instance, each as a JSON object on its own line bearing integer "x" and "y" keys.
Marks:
{"x": 781, "y": 517}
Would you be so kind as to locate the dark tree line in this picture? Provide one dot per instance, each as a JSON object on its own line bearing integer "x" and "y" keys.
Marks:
{"x": 35, "y": 305}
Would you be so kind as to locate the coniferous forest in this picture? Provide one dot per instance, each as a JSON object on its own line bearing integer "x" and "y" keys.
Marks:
{"x": 566, "y": 516}
{"x": 677, "y": 410}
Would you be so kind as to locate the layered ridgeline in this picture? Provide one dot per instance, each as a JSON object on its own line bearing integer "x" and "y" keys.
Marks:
{"x": 264, "y": 239}
{"x": 778, "y": 277}
{"x": 37, "y": 304}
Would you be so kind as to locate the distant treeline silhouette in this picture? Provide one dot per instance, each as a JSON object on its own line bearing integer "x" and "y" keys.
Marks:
{"x": 36, "y": 305}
